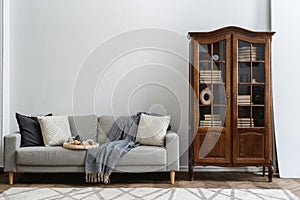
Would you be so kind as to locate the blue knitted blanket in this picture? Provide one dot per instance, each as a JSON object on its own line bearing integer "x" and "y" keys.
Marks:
{"x": 101, "y": 161}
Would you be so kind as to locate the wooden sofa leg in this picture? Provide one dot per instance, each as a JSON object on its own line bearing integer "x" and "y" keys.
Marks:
{"x": 172, "y": 177}
{"x": 10, "y": 178}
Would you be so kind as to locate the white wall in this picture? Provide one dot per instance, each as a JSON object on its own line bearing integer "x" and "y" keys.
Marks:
{"x": 286, "y": 69}
{"x": 103, "y": 57}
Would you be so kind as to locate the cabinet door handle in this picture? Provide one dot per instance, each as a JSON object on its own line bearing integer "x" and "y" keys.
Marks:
{"x": 228, "y": 98}
{"x": 234, "y": 98}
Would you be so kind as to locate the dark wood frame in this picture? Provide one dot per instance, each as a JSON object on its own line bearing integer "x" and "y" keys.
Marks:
{"x": 230, "y": 137}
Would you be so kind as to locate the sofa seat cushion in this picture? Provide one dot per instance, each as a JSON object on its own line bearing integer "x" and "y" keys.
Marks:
{"x": 59, "y": 156}
{"x": 50, "y": 156}
{"x": 144, "y": 155}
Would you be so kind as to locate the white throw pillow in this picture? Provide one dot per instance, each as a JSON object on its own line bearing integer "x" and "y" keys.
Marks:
{"x": 152, "y": 130}
{"x": 55, "y": 129}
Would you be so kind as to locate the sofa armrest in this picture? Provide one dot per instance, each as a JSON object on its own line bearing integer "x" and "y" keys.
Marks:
{"x": 172, "y": 146}
{"x": 12, "y": 142}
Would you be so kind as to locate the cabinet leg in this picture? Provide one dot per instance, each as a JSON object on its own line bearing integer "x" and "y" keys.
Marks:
{"x": 10, "y": 178}
{"x": 270, "y": 175}
{"x": 191, "y": 172}
{"x": 264, "y": 171}
{"x": 172, "y": 177}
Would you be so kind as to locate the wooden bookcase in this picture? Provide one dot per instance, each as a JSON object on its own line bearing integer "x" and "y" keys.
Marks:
{"x": 230, "y": 99}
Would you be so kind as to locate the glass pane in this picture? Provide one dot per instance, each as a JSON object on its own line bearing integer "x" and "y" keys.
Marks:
{"x": 218, "y": 117}
{"x": 244, "y": 89}
{"x": 244, "y": 51}
{"x": 219, "y": 95}
{"x": 221, "y": 67}
{"x": 244, "y": 118}
{"x": 204, "y": 65}
{"x": 258, "y": 94}
{"x": 258, "y": 52}
{"x": 205, "y": 76}
{"x": 250, "y": 52}
{"x": 244, "y": 73}
{"x": 244, "y": 95}
{"x": 211, "y": 76}
{"x": 205, "y": 52}
{"x": 258, "y": 116}
{"x": 212, "y": 116}
{"x": 205, "y": 116}
{"x": 219, "y": 50}
{"x": 258, "y": 72}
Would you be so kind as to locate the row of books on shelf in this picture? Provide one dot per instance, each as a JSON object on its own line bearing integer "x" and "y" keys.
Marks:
{"x": 246, "y": 53}
{"x": 244, "y": 100}
{"x": 214, "y": 76}
{"x": 211, "y": 120}
{"x": 210, "y": 123}
{"x": 211, "y": 117}
{"x": 245, "y": 122}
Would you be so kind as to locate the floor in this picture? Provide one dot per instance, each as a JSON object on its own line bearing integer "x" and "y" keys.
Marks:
{"x": 236, "y": 180}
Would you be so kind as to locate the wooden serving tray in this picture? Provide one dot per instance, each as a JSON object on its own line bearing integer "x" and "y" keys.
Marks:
{"x": 68, "y": 145}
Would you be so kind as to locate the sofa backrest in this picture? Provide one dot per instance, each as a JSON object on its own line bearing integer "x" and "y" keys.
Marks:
{"x": 84, "y": 125}
{"x": 91, "y": 127}
{"x": 104, "y": 125}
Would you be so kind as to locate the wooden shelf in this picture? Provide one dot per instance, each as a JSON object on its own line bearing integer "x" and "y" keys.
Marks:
{"x": 253, "y": 105}
{"x": 253, "y": 127}
{"x": 210, "y": 83}
{"x": 258, "y": 105}
{"x": 212, "y": 61}
{"x": 210, "y": 105}
{"x": 249, "y": 61}
{"x": 219, "y": 61}
{"x": 248, "y": 83}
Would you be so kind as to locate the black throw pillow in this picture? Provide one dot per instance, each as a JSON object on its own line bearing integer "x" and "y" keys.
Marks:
{"x": 30, "y": 130}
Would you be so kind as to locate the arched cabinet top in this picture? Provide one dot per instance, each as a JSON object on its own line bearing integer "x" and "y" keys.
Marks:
{"x": 230, "y": 30}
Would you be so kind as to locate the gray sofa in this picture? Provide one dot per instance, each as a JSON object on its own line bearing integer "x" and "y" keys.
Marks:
{"x": 57, "y": 159}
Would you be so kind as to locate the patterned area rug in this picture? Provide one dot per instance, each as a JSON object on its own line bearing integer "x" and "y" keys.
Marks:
{"x": 94, "y": 193}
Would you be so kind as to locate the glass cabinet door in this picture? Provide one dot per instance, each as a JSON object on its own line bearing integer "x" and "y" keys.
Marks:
{"x": 251, "y": 84}
{"x": 212, "y": 84}
{"x": 251, "y": 70}
{"x": 213, "y": 62}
